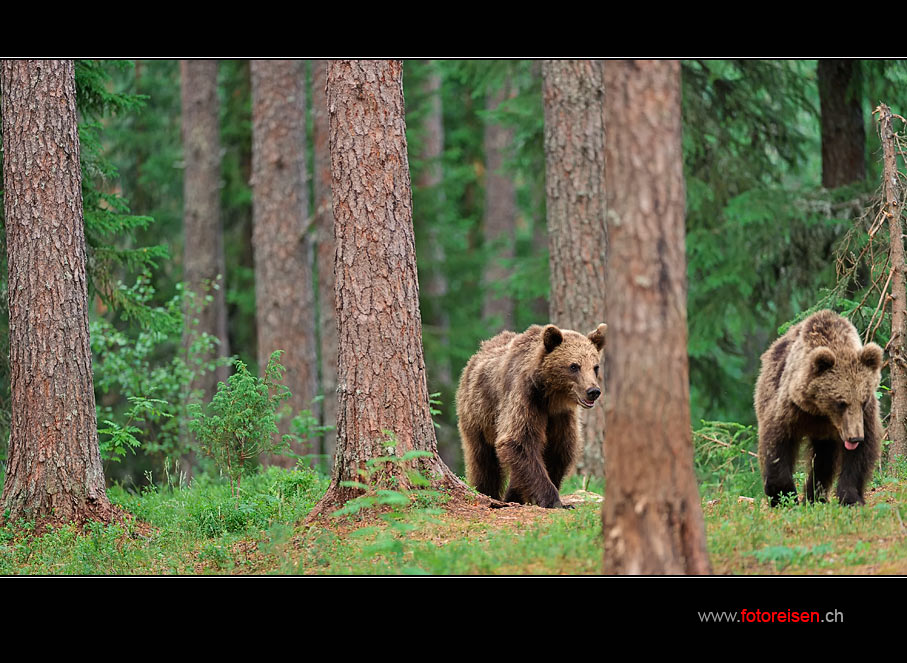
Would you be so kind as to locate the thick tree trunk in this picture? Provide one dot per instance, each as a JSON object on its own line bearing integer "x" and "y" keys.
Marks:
{"x": 203, "y": 254}
{"x": 383, "y": 395}
{"x": 284, "y": 292}
{"x": 324, "y": 227}
{"x": 577, "y": 237}
{"x": 897, "y": 426}
{"x": 500, "y": 218}
{"x": 843, "y": 132}
{"x": 54, "y": 471}
{"x": 652, "y": 519}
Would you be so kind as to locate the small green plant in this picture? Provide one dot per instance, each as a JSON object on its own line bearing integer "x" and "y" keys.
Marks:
{"x": 434, "y": 403}
{"x": 785, "y": 556}
{"x": 146, "y": 384}
{"x": 240, "y": 422}
{"x": 122, "y": 438}
{"x": 305, "y": 426}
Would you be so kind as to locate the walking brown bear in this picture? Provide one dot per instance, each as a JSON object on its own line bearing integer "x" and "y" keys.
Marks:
{"x": 517, "y": 410}
{"x": 819, "y": 381}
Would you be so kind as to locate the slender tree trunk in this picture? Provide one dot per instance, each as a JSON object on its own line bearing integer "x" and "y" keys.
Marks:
{"x": 203, "y": 254}
{"x": 577, "y": 238}
{"x": 843, "y": 132}
{"x": 54, "y": 471}
{"x": 383, "y": 395}
{"x": 897, "y": 426}
{"x": 324, "y": 227}
{"x": 652, "y": 519}
{"x": 284, "y": 292}
{"x": 500, "y": 216}
{"x": 430, "y": 182}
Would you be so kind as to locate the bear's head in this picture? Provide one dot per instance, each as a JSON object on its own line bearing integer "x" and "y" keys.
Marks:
{"x": 570, "y": 365}
{"x": 838, "y": 385}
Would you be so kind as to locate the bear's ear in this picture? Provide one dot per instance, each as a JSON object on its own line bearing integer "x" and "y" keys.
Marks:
{"x": 552, "y": 337}
{"x": 871, "y": 356}
{"x": 598, "y": 336}
{"x": 821, "y": 359}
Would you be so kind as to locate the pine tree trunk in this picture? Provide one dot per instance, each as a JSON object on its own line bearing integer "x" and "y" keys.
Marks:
{"x": 577, "y": 238}
{"x": 324, "y": 225}
{"x": 843, "y": 132}
{"x": 204, "y": 268}
{"x": 54, "y": 471}
{"x": 897, "y": 426}
{"x": 652, "y": 518}
{"x": 284, "y": 292}
{"x": 383, "y": 395}
{"x": 500, "y": 218}
{"x": 430, "y": 182}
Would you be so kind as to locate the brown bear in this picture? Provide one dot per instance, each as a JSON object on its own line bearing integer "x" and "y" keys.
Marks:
{"x": 819, "y": 381}
{"x": 517, "y": 410}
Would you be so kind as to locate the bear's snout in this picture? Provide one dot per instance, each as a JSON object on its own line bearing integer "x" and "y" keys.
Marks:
{"x": 852, "y": 443}
{"x": 593, "y": 393}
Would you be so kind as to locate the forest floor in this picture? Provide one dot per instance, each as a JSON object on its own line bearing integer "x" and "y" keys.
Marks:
{"x": 202, "y": 529}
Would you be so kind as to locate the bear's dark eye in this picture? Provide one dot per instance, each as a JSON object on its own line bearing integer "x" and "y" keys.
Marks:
{"x": 574, "y": 367}
{"x": 842, "y": 405}
{"x": 595, "y": 368}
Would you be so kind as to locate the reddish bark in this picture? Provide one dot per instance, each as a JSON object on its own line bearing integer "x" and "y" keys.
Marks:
{"x": 382, "y": 392}
{"x": 54, "y": 471}
{"x": 500, "y": 217}
{"x": 284, "y": 292}
{"x": 652, "y": 517}
{"x": 203, "y": 254}
{"x": 897, "y": 428}
{"x": 577, "y": 237}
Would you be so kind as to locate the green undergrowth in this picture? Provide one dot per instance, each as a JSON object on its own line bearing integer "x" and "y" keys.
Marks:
{"x": 559, "y": 542}
{"x": 195, "y": 529}
{"x": 746, "y": 536}
{"x": 203, "y": 529}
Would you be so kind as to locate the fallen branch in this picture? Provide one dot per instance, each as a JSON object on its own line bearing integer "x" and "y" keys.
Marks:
{"x": 725, "y": 444}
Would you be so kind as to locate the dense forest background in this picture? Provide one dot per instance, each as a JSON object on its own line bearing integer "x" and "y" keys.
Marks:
{"x": 763, "y": 229}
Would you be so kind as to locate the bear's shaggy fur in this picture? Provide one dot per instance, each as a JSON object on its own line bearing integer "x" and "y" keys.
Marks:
{"x": 517, "y": 410}
{"x": 819, "y": 381}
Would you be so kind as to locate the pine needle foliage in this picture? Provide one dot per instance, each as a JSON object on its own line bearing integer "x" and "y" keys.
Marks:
{"x": 240, "y": 422}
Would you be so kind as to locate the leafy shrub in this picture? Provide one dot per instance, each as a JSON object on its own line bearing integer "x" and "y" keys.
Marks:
{"x": 147, "y": 369}
{"x": 241, "y": 420}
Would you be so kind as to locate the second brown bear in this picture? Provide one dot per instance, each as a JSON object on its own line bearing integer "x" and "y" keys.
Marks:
{"x": 819, "y": 381}
{"x": 517, "y": 410}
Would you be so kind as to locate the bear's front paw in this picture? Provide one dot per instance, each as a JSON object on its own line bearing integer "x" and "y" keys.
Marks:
{"x": 850, "y": 497}
{"x": 553, "y": 502}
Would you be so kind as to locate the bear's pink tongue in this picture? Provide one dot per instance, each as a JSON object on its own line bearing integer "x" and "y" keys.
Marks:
{"x": 850, "y": 446}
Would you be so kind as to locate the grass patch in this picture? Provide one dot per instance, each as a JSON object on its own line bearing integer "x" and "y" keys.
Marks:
{"x": 197, "y": 529}
{"x": 202, "y": 529}
{"x": 749, "y": 537}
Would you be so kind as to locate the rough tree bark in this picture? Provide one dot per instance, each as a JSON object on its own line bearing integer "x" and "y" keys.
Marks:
{"x": 577, "y": 237}
{"x": 203, "y": 253}
{"x": 500, "y": 216}
{"x": 324, "y": 228}
{"x": 381, "y": 372}
{"x": 843, "y": 132}
{"x": 284, "y": 292}
{"x": 652, "y": 518}
{"x": 54, "y": 472}
{"x": 897, "y": 426}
